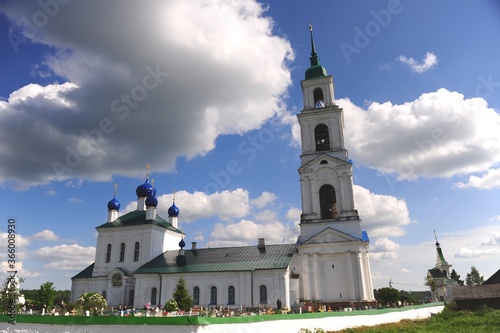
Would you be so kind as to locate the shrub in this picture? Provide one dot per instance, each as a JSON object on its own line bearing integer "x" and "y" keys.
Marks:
{"x": 171, "y": 306}
{"x": 90, "y": 301}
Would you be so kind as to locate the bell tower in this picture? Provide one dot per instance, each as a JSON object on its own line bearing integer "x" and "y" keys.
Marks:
{"x": 325, "y": 171}
{"x": 332, "y": 247}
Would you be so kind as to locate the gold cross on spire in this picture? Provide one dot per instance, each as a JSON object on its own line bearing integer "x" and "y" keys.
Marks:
{"x": 116, "y": 188}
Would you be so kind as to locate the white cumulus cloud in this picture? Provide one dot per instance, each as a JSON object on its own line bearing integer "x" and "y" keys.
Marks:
{"x": 129, "y": 86}
{"x": 65, "y": 257}
{"x": 381, "y": 215}
{"x": 489, "y": 180}
{"x": 46, "y": 235}
{"x": 199, "y": 205}
{"x": 246, "y": 232}
{"x": 264, "y": 199}
{"x": 432, "y": 136}
{"x": 430, "y": 60}
{"x": 466, "y": 252}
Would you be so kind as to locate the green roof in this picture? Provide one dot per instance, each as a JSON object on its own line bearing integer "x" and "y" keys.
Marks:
{"x": 86, "y": 273}
{"x": 441, "y": 256}
{"x": 245, "y": 258}
{"x": 316, "y": 70}
{"x": 138, "y": 217}
{"x": 437, "y": 273}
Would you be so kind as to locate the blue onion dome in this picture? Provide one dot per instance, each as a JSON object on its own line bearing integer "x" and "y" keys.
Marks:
{"x": 151, "y": 201}
{"x": 173, "y": 211}
{"x": 154, "y": 191}
{"x": 114, "y": 204}
{"x": 144, "y": 190}
{"x": 182, "y": 243}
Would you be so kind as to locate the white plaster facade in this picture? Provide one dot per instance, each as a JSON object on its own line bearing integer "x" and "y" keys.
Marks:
{"x": 332, "y": 259}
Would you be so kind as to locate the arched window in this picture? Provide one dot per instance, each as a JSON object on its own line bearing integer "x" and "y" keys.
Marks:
{"x": 154, "y": 292}
{"x": 319, "y": 101}
{"x": 108, "y": 253}
{"x": 328, "y": 202}
{"x": 104, "y": 294}
{"x": 322, "y": 137}
{"x": 122, "y": 252}
{"x": 136, "y": 251}
{"x": 196, "y": 295}
{"x": 117, "y": 280}
{"x": 323, "y": 162}
{"x": 263, "y": 294}
{"x": 230, "y": 295}
{"x": 213, "y": 295}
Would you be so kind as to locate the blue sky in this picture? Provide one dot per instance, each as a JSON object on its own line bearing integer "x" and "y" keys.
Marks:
{"x": 207, "y": 94}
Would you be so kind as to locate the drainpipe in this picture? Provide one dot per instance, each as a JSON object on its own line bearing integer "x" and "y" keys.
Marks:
{"x": 251, "y": 287}
{"x": 159, "y": 298}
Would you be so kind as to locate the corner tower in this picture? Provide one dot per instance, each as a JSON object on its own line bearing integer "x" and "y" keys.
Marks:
{"x": 332, "y": 247}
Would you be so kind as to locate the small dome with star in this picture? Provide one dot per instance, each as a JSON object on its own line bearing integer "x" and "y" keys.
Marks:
{"x": 173, "y": 211}
{"x": 114, "y": 204}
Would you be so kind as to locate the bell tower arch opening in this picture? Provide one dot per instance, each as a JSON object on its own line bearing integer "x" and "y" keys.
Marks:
{"x": 322, "y": 137}
{"x": 319, "y": 100}
{"x": 328, "y": 202}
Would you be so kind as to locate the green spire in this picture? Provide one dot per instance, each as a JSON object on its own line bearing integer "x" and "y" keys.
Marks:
{"x": 316, "y": 70}
{"x": 314, "y": 56}
{"x": 440, "y": 257}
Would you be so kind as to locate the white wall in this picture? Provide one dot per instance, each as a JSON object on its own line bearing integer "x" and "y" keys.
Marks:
{"x": 274, "y": 326}
{"x": 246, "y": 284}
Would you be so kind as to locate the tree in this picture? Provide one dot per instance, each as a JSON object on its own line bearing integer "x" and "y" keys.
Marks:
{"x": 46, "y": 296}
{"x": 91, "y": 301}
{"x": 388, "y": 295}
{"x": 473, "y": 278}
{"x": 456, "y": 277}
{"x": 181, "y": 295}
{"x": 407, "y": 296}
{"x": 9, "y": 294}
{"x": 432, "y": 284}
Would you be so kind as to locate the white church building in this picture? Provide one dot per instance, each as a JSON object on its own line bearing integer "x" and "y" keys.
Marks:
{"x": 140, "y": 256}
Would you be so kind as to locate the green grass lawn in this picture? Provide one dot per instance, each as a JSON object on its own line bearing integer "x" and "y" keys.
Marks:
{"x": 480, "y": 321}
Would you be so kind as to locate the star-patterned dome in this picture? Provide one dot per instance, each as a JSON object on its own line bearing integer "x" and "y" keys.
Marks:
{"x": 114, "y": 204}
